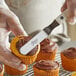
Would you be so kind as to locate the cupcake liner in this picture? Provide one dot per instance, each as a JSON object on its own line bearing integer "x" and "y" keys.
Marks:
{"x": 25, "y": 59}
{"x": 68, "y": 63}
{"x": 5, "y": 74}
{"x": 12, "y": 71}
{"x": 38, "y": 72}
{"x": 46, "y": 56}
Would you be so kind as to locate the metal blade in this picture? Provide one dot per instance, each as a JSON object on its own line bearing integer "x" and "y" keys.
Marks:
{"x": 25, "y": 49}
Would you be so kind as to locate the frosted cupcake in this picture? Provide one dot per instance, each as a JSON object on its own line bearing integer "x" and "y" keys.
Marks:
{"x": 46, "y": 68}
{"x": 48, "y": 50}
{"x": 68, "y": 58}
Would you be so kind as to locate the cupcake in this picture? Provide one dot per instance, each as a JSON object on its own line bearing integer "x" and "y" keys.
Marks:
{"x": 68, "y": 58}
{"x": 46, "y": 68}
{"x": 1, "y": 69}
{"x": 16, "y": 44}
{"x": 48, "y": 50}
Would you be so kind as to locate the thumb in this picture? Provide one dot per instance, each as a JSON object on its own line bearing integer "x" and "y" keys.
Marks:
{"x": 11, "y": 60}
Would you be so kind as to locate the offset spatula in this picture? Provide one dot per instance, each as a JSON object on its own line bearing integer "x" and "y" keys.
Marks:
{"x": 25, "y": 49}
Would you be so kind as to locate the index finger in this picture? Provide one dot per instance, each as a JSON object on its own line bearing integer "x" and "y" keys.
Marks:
{"x": 15, "y": 25}
{"x": 71, "y": 11}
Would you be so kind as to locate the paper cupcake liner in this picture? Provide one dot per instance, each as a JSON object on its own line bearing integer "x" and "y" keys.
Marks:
{"x": 26, "y": 59}
{"x": 38, "y": 72}
{"x": 13, "y": 71}
{"x": 68, "y": 63}
{"x": 5, "y": 74}
{"x": 46, "y": 56}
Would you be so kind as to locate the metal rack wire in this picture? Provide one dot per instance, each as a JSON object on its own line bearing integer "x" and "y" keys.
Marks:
{"x": 61, "y": 73}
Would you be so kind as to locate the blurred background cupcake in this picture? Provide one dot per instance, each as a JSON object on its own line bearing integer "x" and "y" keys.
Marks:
{"x": 48, "y": 50}
{"x": 68, "y": 58}
{"x": 46, "y": 68}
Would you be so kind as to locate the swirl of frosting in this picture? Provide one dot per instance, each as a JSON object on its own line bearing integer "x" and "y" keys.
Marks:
{"x": 46, "y": 65}
{"x": 45, "y": 41}
{"x": 70, "y": 52}
{"x": 47, "y": 45}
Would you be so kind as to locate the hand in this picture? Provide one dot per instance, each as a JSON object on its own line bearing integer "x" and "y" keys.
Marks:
{"x": 71, "y": 6}
{"x": 9, "y": 22}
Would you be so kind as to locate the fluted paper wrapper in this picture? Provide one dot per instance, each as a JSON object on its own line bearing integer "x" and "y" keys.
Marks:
{"x": 38, "y": 72}
{"x": 46, "y": 56}
{"x": 68, "y": 63}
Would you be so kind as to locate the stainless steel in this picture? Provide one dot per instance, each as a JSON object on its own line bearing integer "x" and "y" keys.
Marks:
{"x": 33, "y": 42}
{"x": 25, "y": 49}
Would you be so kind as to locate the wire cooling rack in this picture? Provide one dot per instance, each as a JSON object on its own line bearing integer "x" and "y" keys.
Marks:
{"x": 62, "y": 72}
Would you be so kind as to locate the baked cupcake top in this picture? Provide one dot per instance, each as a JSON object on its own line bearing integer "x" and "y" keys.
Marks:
{"x": 47, "y": 65}
{"x": 47, "y": 45}
{"x": 70, "y": 52}
{"x": 24, "y": 40}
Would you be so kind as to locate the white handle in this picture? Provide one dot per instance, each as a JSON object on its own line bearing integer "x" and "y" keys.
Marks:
{"x": 61, "y": 17}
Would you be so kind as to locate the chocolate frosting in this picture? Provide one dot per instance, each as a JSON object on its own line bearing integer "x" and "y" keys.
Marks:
{"x": 45, "y": 42}
{"x": 47, "y": 65}
{"x": 70, "y": 52}
{"x": 47, "y": 45}
{"x": 24, "y": 40}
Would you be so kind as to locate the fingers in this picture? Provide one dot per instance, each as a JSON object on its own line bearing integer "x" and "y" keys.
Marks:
{"x": 9, "y": 59}
{"x": 13, "y": 64}
{"x": 15, "y": 25}
{"x": 64, "y": 7}
{"x": 71, "y": 5}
